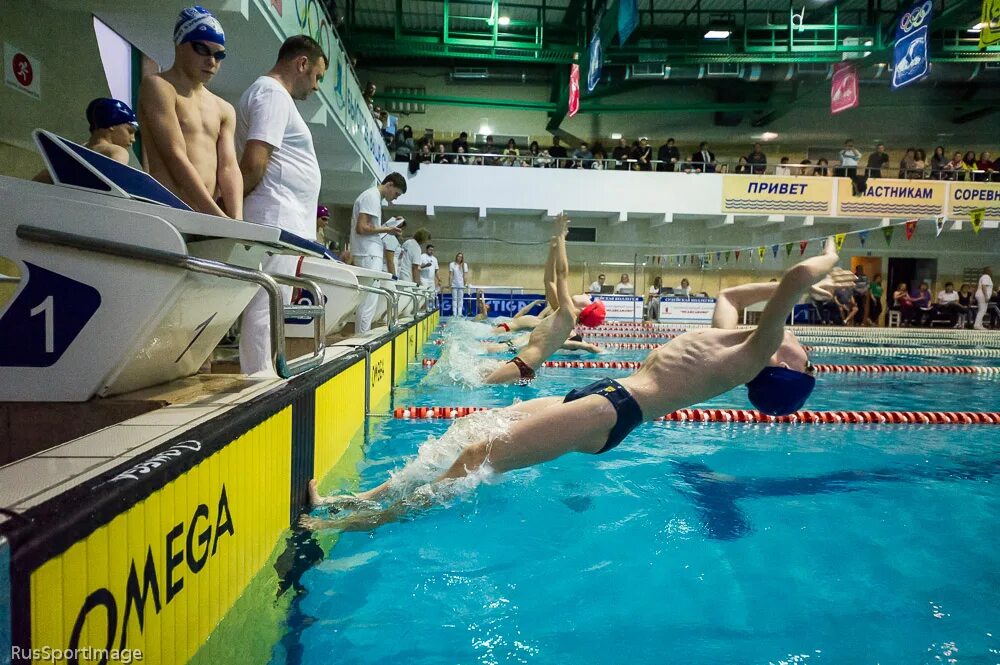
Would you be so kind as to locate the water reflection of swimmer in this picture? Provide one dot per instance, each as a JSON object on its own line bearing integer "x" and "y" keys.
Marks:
{"x": 693, "y": 368}
{"x": 715, "y": 496}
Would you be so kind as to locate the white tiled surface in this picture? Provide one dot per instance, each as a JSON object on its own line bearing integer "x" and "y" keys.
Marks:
{"x": 109, "y": 442}
{"x": 176, "y": 415}
{"x": 37, "y": 474}
{"x": 42, "y": 493}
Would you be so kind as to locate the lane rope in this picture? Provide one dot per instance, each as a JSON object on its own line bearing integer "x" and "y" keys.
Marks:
{"x": 750, "y": 416}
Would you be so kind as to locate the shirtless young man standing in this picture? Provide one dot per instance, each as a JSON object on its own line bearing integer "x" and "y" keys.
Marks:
{"x": 188, "y": 131}
{"x": 692, "y": 368}
{"x": 549, "y": 336}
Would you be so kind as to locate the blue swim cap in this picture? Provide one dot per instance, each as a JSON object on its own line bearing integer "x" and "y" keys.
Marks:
{"x": 197, "y": 24}
{"x": 104, "y": 112}
{"x": 779, "y": 391}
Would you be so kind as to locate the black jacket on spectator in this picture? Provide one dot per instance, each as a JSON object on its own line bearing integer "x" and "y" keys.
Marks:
{"x": 876, "y": 162}
{"x": 664, "y": 155}
{"x": 757, "y": 162}
{"x": 643, "y": 158}
{"x": 558, "y": 155}
{"x": 697, "y": 161}
{"x": 459, "y": 143}
{"x": 620, "y": 154}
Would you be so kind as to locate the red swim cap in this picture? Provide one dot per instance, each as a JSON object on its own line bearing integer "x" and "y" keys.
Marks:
{"x": 593, "y": 314}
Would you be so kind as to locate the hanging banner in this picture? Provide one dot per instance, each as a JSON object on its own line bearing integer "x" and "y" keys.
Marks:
{"x": 892, "y": 198}
{"x": 976, "y": 217}
{"x": 628, "y": 19}
{"x": 911, "y": 54}
{"x": 769, "y": 195}
{"x": 887, "y": 233}
{"x": 911, "y": 226}
{"x": 968, "y": 196}
{"x": 574, "y": 89}
{"x": 788, "y": 249}
{"x": 939, "y": 225}
{"x": 989, "y": 32}
{"x": 802, "y": 246}
{"x": 843, "y": 88}
{"x": 863, "y": 236}
{"x": 596, "y": 61}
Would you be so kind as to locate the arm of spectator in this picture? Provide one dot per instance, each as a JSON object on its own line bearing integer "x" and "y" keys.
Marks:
{"x": 163, "y": 129}
{"x": 228, "y": 176}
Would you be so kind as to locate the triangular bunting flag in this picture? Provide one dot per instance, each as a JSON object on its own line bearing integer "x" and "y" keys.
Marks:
{"x": 737, "y": 253}
{"x": 976, "y": 217}
{"x": 939, "y": 225}
{"x": 707, "y": 260}
{"x": 862, "y": 236}
{"x": 887, "y": 232}
{"x": 774, "y": 251}
{"x": 727, "y": 255}
{"x": 802, "y": 246}
{"x": 718, "y": 257}
{"x": 760, "y": 252}
{"x": 911, "y": 226}
{"x": 788, "y": 249}
{"x": 838, "y": 240}
{"x": 685, "y": 259}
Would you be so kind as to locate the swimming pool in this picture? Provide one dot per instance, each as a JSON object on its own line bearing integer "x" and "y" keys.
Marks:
{"x": 695, "y": 543}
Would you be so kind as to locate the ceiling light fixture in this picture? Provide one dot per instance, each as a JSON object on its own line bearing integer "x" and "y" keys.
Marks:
{"x": 768, "y": 136}
{"x": 503, "y": 21}
{"x": 717, "y": 34}
{"x": 615, "y": 136}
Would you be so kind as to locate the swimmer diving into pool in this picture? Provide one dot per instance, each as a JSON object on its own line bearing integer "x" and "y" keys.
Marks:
{"x": 692, "y": 368}
{"x": 549, "y": 336}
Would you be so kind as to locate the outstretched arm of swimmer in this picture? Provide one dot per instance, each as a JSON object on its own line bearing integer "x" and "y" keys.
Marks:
{"x": 564, "y": 298}
{"x": 156, "y": 97}
{"x": 550, "y": 276}
{"x": 770, "y": 331}
{"x": 228, "y": 176}
{"x": 527, "y": 308}
{"x": 573, "y": 345}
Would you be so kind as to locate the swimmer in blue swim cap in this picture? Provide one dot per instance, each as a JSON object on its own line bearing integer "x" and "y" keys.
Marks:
{"x": 112, "y": 131}
{"x": 691, "y": 369}
{"x": 189, "y": 132}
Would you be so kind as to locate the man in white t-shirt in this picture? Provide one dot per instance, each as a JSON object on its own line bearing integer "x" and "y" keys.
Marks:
{"x": 983, "y": 292}
{"x": 429, "y": 268}
{"x": 367, "y": 247}
{"x": 408, "y": 257}
{"x": 281, "y": 177}
{"x": 458, "y": 270}
{"x": 390, "y": 249}
{"x": 947, "y": 305}
{"x": 595, "y": 287}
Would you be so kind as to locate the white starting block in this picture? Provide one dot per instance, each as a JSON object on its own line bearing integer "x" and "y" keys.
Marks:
{"x": 118, "y": 285}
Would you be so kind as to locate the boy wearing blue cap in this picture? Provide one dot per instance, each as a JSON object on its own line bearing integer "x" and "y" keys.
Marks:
{"x": 112, "y": 131}
{"x": 189, "y": 132}
{"x": 692, "y": 368}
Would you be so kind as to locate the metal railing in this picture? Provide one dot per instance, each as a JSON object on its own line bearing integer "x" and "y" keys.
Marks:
{"x": 269, "y": 283}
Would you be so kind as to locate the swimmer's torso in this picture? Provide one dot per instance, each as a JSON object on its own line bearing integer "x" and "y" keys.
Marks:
{"x": 692, "y": 368}
{"x": 200, "y": 119}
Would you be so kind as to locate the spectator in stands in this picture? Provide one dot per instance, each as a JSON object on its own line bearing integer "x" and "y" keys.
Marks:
{"x": 953, "y": 169}
{"x": 461, "y": 157}
{"x": 534, "y": 152}
{"x": 459, "y": 274}
{"x": 921, "y": 301}
{"x": 846, "y": 304}
{"x": 368, "y": 94}
{"x": 876, "y": 162}
{"x": 969, "y": 165}
{"x": 782, "y": 168}
{"x": 668, "y": 155}
{"x": 938, "y": 163}
{"x": 488, "y": 150}
{"x": 757, "y": 160}
{"x": 598, "y": 163}
{"x": 804, "y": 168}
{"x": 544, "y": 159}
{"x": 624, "y": 286}
{"x": 188, "y": 132}
{"x": 822, "y": 168}
{"x": 919, "y": 164}
{"x": 984, "y": 291}
{"x": 408, "y": 258}
{"x": 404, "y": 144}
{"x": 861, "y": 294}
{"x": 596, "y": 286}
{"x": 985, "y": 167}
{"x": 112, "y": 131}
{"x": 643, "y": 155}
{"x": 582, "y": 157}
{"x": 461, "y": 142}
{"x": 742, "y": 166}
{"x": 684, "y": 289}
{"x": 621, "y": 154}
{"x": 968, "y": 301}
{"x": 849, "y": 157}
{"x": 366, "y": 241}
{"x": 875, "y": 300}
{"x": 906, "y": 163}
{"x": 425, "y": 156}
{"x": 429, "y": 268}
{"x": 441, "y": 156}
{"x": 947, "y": 305}
{"x": 558, "y": 153}
{"x": 827, "y": 307}
{"x": 703, "y": 161}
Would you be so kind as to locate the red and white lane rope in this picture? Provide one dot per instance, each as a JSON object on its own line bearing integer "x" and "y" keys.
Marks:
{"x": 850, "y": 350}
{"x": 748, "y": 416}
{"x": 825, "y": 369}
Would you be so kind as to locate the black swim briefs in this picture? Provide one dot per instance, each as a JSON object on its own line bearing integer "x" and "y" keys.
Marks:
{"x": 629, "y": 413}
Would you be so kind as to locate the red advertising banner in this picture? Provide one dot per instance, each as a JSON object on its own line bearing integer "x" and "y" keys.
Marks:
{"x": 574, "y": 89}
{"x": 843, "y": 88}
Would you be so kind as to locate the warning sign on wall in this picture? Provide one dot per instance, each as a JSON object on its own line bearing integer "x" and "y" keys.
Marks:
{"x": 21, "y": 71}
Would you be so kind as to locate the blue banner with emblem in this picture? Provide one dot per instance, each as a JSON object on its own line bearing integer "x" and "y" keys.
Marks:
{"x": 628, "y": 19}
{"x": 911, "y": 54}
{"x": 596, "y": 61}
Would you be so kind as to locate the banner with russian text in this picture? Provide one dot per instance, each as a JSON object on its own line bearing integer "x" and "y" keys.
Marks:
{"x": 763, "y": 195}
{"x": 892, "y": 198}
{"x": 968, "y": 196}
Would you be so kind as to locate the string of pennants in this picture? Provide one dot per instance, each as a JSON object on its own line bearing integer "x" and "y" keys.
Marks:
{"x": 718, "y": 257}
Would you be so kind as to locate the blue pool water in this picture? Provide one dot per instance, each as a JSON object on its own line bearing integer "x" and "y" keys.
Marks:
{"x": 689, "y": 543}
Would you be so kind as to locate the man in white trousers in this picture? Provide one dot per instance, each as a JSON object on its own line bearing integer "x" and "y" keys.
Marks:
{"x": 281, "y": 176}
{"x": 366, "y": 239}
{"x": 984, "y": 289}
